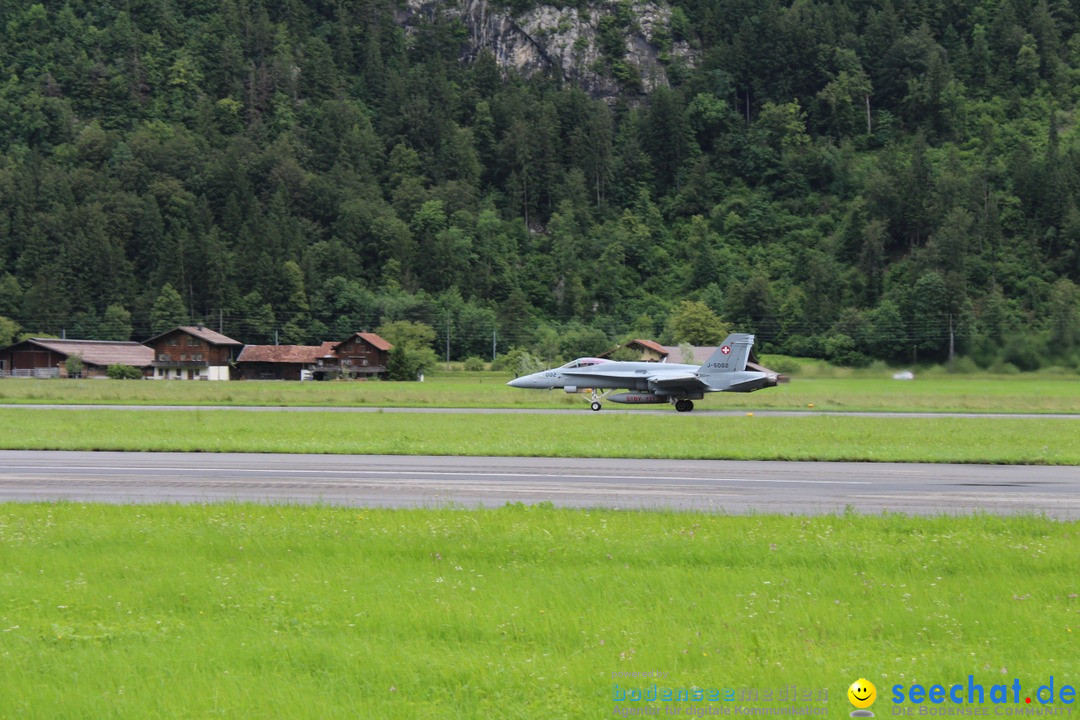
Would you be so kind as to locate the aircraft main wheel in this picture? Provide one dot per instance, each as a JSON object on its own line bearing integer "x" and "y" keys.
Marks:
{"x": 596, "y": 406}
{"x": 684, "y": 405}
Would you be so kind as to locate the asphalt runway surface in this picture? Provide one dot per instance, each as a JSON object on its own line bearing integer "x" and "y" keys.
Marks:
{"x": 583, "y": 410}
{"x": 421, "y": 481}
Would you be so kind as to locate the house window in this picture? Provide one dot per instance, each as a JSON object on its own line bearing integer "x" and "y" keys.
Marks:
{"x": 164, "y": 357}
{"x": 197, "y": 356}
{"x": 192, "y": 342}
{"x": 174, "y": 340}
{"x": 346, "y": 361}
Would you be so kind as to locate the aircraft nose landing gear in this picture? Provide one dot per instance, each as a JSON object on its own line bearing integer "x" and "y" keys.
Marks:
{"x": 684, "y": 405}
{"x": 596, "y": 406}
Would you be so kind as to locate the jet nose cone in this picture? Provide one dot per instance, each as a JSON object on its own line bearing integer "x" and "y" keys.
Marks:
{"x": 518, "y": 382}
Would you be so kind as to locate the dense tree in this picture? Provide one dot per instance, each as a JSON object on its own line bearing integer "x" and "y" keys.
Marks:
{"x": 9, "y": 330}
{"x": 115, "y": 323}
{"x": 877, "y": 180}
{"x": 412, "y": 353}
{"x": 692, "y": 321}
{"x": 168, "y": 311}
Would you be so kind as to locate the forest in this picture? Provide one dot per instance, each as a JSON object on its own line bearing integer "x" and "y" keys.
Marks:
{"x": 893, "y": 180}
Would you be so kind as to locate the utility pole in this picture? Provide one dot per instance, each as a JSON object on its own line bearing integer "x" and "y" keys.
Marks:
{"x": 493, "y": 337}
{"x": 952, "y": 343}
{"x": 447, "y": 339}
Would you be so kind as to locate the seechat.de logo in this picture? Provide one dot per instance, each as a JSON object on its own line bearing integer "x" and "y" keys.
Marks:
{"x": 862, "y": 695}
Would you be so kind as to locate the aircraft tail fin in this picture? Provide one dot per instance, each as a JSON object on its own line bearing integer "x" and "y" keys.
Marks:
{"x": 731, "y": 356}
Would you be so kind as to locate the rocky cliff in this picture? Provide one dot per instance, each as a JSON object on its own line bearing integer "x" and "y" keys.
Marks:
{"x": 607, "y": 48}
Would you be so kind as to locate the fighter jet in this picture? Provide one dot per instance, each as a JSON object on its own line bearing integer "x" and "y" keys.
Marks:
{"x": 647, "y": 383}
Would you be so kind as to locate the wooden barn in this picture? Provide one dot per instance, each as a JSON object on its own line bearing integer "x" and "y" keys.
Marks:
{"x": 650, "y": 351}
{"x": 286, "y": 362}
{"x": 193, "y": 352}
{"x": 47, "y": 357}
{"x": 362, "y": 354}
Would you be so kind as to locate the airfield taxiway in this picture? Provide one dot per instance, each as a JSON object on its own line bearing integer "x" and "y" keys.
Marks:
{"x": 411, "y": 481}
{"x": 609, "y": 408}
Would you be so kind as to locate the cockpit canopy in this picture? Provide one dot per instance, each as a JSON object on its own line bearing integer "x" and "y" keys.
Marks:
{"x": 583, "y": 362}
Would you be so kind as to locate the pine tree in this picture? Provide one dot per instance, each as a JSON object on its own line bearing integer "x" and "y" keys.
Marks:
{"x": 168, "y": 311}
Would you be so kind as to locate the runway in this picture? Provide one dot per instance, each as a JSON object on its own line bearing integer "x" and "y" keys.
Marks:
{"x": 412, "y": 481}
{"x": 608, "y": 410}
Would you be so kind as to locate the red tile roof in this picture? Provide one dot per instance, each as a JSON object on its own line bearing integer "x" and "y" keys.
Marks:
{"x": 655, "y": 347}
{"x": 283, "y": 353}
{"x": 371, "y": 339}
{"x": 701, "y": 354}
{"x": 375, "y": 340}
{"x": 648, "y": 344}
{"x": 100, "y": 352}
{"x": 203, "y": 333}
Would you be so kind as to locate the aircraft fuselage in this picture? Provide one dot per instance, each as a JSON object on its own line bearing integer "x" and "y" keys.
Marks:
{"x": 610, "y": 375}
{"x": 646, "y": 383}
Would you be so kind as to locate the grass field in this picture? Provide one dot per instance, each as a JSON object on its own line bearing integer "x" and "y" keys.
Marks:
{"x": 940, "y": 393}
{"x": 1003, "y": 440}
{"x": 301, "y": 612}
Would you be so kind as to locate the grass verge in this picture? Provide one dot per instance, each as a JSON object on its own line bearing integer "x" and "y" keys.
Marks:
{"x": 520, "y": 612}
{"x": 979, "y": 393}
{"x": 982, "y": 440}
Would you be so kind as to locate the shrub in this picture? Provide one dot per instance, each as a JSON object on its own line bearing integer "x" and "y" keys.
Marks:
{"x": 520, "y": 362}
{"x": 408, "y": 363}
{"x": 1025, "y": 352}
{"x": 963, "y": 365}
{"x": 878, "y": 367}
{"x": 506, "y": 361}
{"x": 785, "y": 365}
{"x": 123, "y": 372}
{"x": 840, "y": 349}
{"x": 474, "y": 364}
{"x": 74, "y": 366}
{"x": 1004, "y": 368}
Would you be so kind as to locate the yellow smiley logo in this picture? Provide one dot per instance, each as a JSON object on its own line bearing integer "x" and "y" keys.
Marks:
{"x": 862, "y": 693}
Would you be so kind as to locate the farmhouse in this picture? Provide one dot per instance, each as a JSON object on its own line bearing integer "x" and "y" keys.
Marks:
{"x": 650, "y": 351}
{"x": 361, "y": 355}
{"x": 47, "y": 357}
{"x": 192, "y": 352}
{"x": 655, "y": 352}
{"x": 286, "y": 362}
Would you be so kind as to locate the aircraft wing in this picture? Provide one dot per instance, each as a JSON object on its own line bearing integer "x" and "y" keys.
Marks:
{"x": 687, "y": 382}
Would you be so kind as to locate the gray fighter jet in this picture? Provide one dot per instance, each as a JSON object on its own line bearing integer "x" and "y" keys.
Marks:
{"x": 729, "y": 369}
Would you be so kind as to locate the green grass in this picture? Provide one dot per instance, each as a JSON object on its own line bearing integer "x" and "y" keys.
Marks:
{"x": 521, "y": 612}
{"x": 1008, "y": 440}
{"x": 963, "y": 393}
